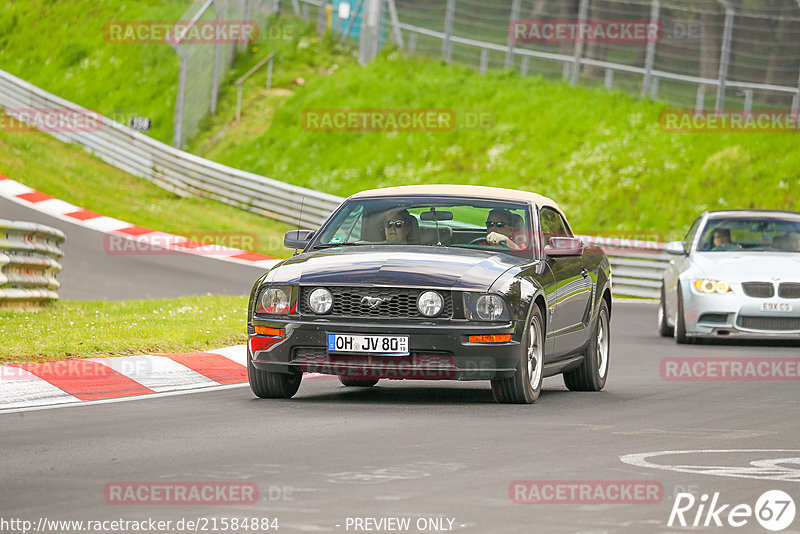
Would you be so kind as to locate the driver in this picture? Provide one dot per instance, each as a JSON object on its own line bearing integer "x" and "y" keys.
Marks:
{"x": 720, "y": 237}
{"x": 401, "y": 227}
{"x": 500, "y": 228}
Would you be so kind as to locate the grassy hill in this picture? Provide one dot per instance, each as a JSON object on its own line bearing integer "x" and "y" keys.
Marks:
{"x": 601, "y": 155}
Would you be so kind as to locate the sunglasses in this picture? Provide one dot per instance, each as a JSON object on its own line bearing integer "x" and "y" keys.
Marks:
{"x": 398, "y": 224}
{"x": 498, "y": 224}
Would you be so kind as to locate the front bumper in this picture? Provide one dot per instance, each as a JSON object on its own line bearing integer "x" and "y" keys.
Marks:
{"x": 439, "y": 351}
{"x": 736, "y": 315}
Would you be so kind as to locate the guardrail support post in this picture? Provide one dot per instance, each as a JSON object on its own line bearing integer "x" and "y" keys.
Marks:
{"x": 700, "y": 99}
{"x": 448, "y": 30}
{"x": 484, "y": 60}
{"x": 748, "y": 101}
{"x": 526, "y": 64}
{"x": 514, "y": 16}
{"x": 609, "y": 79}
{"x": 724, "y": 59}
{"x": 655, "y": 14}
{"x": 583, "y": 14}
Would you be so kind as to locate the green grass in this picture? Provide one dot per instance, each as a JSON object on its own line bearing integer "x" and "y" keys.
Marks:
{"x": 601, "y": 155}
{"x": 81, "y": 329}
{"x": 66, "y": 172}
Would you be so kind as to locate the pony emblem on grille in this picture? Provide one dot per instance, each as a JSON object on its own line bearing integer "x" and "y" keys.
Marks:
{"x": 374, "y": 302}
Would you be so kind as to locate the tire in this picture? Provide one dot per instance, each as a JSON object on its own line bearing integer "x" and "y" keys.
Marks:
{"x": 593, "y": 371}
{"x": 358, "y": 382}
{"x": 269, "y": 385}
{"x": 526, "y": 384}
{"x": 680, "y": 322}
{"x": 664, "y": 329}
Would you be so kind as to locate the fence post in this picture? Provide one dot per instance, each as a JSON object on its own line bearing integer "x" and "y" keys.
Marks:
{"x": 448, "y": 29}
{"x": 177, "y": 127}
{"x": 583, "y": 13}
{"x": 296, "y": 7}
{"x": 609, "y": 79}
{"x": 796, "y": 99}
{"x": 511, "y": 41}
{"x": 321, "y": 18}
{"x": 724, "y": 58}
{"x": 369, "y": 39}
{"x": 397, "y": 35}
{"x": 700, "y": 99}
{"x": 217, "y": 53}
{"x": 655, "y": 15}
{"x": 412, "y": 42}
{"x": 484, "y": 60}
{"x": 526, "y": 63}
{"x": 748, "y": 101}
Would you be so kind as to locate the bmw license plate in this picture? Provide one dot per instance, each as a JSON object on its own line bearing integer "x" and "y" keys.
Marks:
{"x": 378, "y": 345}
{"x": 784, "y": 307}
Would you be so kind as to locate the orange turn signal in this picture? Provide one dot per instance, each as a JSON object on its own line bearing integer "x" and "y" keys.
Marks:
{"x": 491, "y": 338}
{"x": 266, "y": 331}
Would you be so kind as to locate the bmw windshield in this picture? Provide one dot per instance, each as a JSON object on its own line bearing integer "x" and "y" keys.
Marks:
{"x": 751, "y": 234}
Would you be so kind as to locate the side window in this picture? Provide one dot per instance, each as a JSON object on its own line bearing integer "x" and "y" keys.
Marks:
{"x": 553, "y": 225}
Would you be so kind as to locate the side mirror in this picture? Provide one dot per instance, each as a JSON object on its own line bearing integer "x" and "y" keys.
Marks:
{"x": 297, "y": 238}
{"x": 675, "y": 248}
{"x": 564, "y": 246}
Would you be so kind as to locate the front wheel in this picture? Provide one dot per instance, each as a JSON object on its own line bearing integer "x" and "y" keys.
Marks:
{"x": 664, "y": 329}
{"x": 526, "y": 384}
{"x": 593, "y": 371}
{"x": 680, "y": 322}
{"x": 269, "y": 385}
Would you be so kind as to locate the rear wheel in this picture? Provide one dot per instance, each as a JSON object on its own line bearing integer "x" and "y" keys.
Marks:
{"x": 680, "y": 322}
{"x": 358, "y": 382}
{"x": 269, "y": 385}
{"x": 593, "y": 371}
{"x": 526, "y": 384}
{"x": 664, "y": 329}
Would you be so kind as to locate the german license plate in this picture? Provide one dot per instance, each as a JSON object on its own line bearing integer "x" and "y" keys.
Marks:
{"x": 783, "y": 307}
{"x": 379, "y": 345}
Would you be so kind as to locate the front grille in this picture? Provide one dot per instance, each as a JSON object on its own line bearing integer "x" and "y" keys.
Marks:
{"x": 401, "y": 303}
{"x": 778, "y": 324}
{"x": 713, "y": 318}
{"x": 759, "y": 290}
{"x": 789, "y": 290}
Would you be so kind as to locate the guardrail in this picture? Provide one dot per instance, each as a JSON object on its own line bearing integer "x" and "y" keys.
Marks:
{"x": 168, "y": 167}
{"x": 636, "y": 266}
{"x": 29, "y": 255}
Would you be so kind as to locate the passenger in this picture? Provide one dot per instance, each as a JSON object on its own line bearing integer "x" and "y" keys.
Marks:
{"x": 518, "y": 235}
{"x": 401, "y": 227}
{"x": 500, "y": 228}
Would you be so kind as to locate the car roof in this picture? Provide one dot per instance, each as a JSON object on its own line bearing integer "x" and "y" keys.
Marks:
{"x": 751, "y": 213}
{"x": 472, "y": 191}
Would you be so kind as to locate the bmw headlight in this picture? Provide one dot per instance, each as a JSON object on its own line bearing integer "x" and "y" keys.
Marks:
{"x": 708, "y": 286}
{"x": 486, "y": 307}
{"x": 430, "y": 303}
{"x": 274, "y": 300}
{"x": 320, "y": 300}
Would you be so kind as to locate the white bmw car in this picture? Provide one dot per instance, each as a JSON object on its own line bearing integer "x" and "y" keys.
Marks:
{"x": 736, "y": 273}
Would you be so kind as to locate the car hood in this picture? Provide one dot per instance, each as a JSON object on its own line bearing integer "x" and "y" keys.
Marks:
{"x": 395, "y": 266}
{"x": 749, "y": 266}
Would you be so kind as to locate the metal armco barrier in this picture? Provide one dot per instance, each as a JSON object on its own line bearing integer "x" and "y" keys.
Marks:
{"x": 174, "y": 169}
{"x": 636, "y": 266}
{"x": 29, "y": 255}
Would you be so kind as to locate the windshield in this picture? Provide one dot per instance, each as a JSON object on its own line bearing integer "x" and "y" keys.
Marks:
{"x": 431, "y": 221}
{"x": 751, "y": 234}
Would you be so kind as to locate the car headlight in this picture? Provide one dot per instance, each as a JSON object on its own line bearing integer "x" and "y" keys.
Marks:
{"x": 430, "y": 303}
{"x": 320, "y": 300}
{"x": 708, "y": 286}
{"x": 485, "y": 307}
{"x": 274, "y": 300}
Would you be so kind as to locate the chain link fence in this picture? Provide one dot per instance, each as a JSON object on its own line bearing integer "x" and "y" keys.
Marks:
{"x": 204, "y": 63}
{"x": 708, "y": 54}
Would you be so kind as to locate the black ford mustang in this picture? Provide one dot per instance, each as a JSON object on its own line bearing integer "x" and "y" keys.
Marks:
{"x": 435, "y": 282}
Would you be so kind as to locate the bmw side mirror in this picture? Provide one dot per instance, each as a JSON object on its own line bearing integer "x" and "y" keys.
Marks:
{"x": 297, "y": 239}
{"x": 564, "y": 246}
{"x": 675, "y": 248}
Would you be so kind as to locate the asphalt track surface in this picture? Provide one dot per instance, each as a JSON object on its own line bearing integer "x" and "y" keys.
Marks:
{"x": 415, "y": 449}
{"x": 91, "y": 273}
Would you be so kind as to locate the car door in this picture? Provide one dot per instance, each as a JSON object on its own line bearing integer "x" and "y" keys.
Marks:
{"x": 573, "y": 287}
{"x": 678, "y": 264}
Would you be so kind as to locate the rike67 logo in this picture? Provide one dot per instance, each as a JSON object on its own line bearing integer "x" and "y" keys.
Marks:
{"x": 774, "y": 510}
